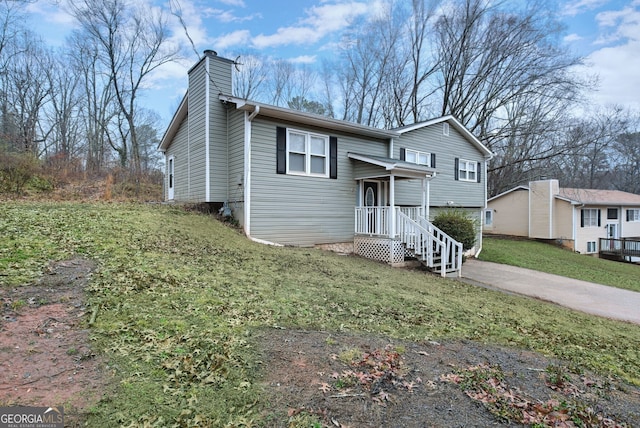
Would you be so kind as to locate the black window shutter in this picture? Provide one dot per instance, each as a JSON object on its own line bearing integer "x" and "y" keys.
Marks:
{"x": 628, "y": 215}
{"x": 456, "y": 169}
{"x": 433, "y": 160}
{"x": 403, "y": 154}
{"x": 281, "y": 150}
{"x": 599, "y": 218}
{"x": 581, "y": 218}
{"x": 478, "y": 172}
{"x": 333, "y": 157}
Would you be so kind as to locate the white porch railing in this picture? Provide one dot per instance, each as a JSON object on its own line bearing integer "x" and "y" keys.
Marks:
{"x": 372, "y": 221}
{"x": 433, "y": 247}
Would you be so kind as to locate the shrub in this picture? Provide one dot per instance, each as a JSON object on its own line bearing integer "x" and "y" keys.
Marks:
{"x": 16, "y": 169}
{"x": 459, "y": 225}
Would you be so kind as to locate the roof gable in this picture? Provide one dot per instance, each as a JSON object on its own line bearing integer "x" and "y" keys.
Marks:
{"x": 452, "y": 121}
{"x": 508, "y": 192}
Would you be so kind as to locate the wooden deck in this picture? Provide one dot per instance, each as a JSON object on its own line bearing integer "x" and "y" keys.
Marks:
{"x": 621, "y": 249}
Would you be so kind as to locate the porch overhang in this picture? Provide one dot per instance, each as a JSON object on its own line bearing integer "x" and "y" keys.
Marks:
{"x": 388, "y": 167}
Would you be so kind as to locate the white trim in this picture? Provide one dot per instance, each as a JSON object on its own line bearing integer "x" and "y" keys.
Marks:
{"x": 307, "y": 153}
{"x": 305, "y": 118}
{"x": 392, "y": 206}
{"x": 595, "y": 246}
{"x": 550, "y": 210}
{"x": 475, "y": 170}
{"x": 458, "y": 127}
{"x": 207, "y": 136}
{"x": 505, "y": 192}
{"x": 171, "y": 177}
{"x": 417, "y": 154}
{"x": 247, "y": 174}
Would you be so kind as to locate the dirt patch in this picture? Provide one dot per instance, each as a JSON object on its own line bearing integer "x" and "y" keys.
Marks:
{"x": 342, "y": 380}
{"x": 45, "y": 354}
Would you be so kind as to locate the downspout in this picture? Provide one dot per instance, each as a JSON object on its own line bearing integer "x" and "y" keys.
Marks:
{"x": 247, "y": 177}
{"x": 486, "y": 193}
{"x": 390, "y": 148}
{"x": 247, "y": 173}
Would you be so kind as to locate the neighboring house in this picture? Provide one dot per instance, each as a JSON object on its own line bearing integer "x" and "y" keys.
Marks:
{"x": 577, "y": 218}
{"x": 295, "y": 178}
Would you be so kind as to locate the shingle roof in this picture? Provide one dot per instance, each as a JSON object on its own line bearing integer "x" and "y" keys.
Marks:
{"x": 599, "y": 197}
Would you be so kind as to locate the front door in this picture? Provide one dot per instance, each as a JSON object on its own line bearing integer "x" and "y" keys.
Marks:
{"x": 170, "y": 179}
{"x": 612, "y": 231}
{"x": 370, "y": 191}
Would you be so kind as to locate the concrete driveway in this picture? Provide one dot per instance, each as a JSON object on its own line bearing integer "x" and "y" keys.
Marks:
{"x": 596, "y": 299}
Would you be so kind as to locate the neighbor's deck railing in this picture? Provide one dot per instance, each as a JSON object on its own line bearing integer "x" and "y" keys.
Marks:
{"x": 624, "y": 247}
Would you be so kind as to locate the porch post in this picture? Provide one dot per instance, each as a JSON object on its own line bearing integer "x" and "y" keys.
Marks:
{"x": 392, "y": 216}
{"x": 392, "y": 207}
{"x": 424, "y": 199}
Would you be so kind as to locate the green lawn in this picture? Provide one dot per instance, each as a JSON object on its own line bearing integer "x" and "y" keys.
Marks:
{"x": 551, "y": 259}
{"x": 180, "y": 297}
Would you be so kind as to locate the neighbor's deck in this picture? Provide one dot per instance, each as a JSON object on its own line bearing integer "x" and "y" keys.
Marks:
{"x": 620, "y": 248}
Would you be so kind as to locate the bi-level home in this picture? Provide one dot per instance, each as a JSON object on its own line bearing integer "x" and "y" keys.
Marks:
{"x": 295, "y": 178}
{"x": 584, "y": 220}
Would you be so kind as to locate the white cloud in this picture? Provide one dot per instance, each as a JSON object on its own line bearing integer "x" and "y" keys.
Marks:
{"x": 236, "y": 38}
{"x": 617, "y": 63}
{"x": 617, "y": 70}
{"x": 237, "y": 3}
{"x": 304, "y": 59}
{"x": 580, "y": 6}
{"x": 320, "y": 21}
{"x": 573, "y": 37}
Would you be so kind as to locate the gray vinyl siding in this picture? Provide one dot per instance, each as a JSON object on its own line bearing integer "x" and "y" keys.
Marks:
{"x": 443, "y": 187}
{"x": 300, "y": 210}
{"x": 196, "y": 144}
{"x": 366, "y": 170}
{"x": 178, "y": 149}
{"x": 220, "y": 174}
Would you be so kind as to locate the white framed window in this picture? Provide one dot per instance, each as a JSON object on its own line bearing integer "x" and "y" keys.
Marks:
{"x": 467, "y": 170}
{"x": 590, "y": 217}
{"x": 415, "y": 156}
{"x": 307, "y": 153}
{"x": 612, "y": 213}
{"x": 488, "y": 217}
{"x": 445, "y": 128}
{"x": 592, "y": 247}
{"x": 633, "y": 215}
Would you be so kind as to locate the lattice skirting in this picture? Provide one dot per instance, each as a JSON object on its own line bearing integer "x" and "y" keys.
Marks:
{"x": 381, "y": 249}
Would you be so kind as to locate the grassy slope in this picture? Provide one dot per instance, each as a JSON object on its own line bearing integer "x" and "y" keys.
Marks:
{"x": 180, "y": 296}
{"x": 548, "y": 258}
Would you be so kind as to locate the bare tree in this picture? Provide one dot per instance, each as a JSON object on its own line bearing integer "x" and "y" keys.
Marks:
{"x": 626, "y": 173}
{"x": 97, "y": 99}
{"x": 26, "y": 89}
{"x": 504, "y": 75}
{"x": 132, "y": 42}
{"x": 63, "y": 111}
{"x": 591, "y": 161}
{"x": 251, "y": 76}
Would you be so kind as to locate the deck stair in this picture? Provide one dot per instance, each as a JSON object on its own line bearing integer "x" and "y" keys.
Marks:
{"x": 436, "y": 250}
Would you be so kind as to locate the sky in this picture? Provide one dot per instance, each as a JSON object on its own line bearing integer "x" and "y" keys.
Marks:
{"x": 606, "y": 33}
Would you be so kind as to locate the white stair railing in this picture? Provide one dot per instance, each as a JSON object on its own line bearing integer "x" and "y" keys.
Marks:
{"x": 427, "y": 242}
